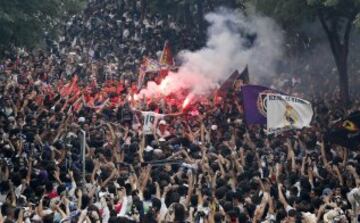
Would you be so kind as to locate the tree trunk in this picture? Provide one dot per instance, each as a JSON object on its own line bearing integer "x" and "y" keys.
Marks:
{"x": 341, "y": 65}
{"x": 344, "y": 83}
{"x": 339, "y": 48}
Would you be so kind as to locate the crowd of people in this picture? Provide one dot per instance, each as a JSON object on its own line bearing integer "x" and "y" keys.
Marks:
{"x": 152, "y": 162}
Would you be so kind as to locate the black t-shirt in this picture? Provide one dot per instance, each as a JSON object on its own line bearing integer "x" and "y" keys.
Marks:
{"x": 125, "y": 114}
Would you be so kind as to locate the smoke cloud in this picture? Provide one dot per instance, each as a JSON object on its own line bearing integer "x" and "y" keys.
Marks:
{"x": 233, "y": 41}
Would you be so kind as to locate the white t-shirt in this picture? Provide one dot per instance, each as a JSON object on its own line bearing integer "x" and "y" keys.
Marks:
{"x": 164, "y": 134}
{"x": 150, "y": 121}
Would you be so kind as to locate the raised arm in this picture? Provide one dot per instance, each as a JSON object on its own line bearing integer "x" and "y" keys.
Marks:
{"x": 353, "y": 172}
{"x": 323, "y": 154}
{"x": 190, "y": 189}
{"x": 260, "y": 209}
{"x": 338, "y": 175}
{"x": 145, "y": 178}
{"x": 112, "y": 132}
{"x": 282, "y": 198}
{"x": 220, "y": 161}
{"x": 174, "y": 114}
{"x": 291, "y": 154}
{"x": 28, "y": 175}
{"x": 158, "y": 192}
{"x": 111, "y": 177}
{"x": 20, "y": 218}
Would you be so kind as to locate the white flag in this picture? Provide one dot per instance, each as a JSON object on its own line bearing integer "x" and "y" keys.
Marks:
{"x": 286, "y": 112}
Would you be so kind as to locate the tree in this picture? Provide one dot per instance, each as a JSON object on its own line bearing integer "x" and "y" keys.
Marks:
{"x": 24, "y": 23}
{"x": 337, "y": 18}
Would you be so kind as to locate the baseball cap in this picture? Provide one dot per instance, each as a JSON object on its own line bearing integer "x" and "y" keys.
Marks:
{"x": 326, "y": 192}
{"x": 81, "y": 119}
{"x": 214, "y": 127}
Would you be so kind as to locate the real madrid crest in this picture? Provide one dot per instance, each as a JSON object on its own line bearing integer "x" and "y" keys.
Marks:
{"x": 261, "y": 102}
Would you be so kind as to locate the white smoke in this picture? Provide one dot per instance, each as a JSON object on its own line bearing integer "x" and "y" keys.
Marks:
{"x": 228, "y": 48}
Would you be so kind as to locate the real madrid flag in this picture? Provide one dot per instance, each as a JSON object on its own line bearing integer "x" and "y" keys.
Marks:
{"x": 255, "y": 103}
{"x": 286, "y": 112}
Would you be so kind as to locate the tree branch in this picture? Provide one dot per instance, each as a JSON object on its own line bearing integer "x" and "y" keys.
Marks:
{"x": 329, "y": 34}
{"x": 348, "y": 30}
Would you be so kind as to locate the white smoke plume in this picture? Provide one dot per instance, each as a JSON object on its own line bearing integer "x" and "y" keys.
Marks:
{"x": 234, "y": 40}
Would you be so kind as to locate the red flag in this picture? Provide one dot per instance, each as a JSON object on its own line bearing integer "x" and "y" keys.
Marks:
{"x": 74, "y": 96}
{"x": 119, "y": 88}
{"x": 68, "y": 88}
{"x": 109, "y": 89}
{"x": 90, "y": 102}
{"x": 77, "y": 106}
{"x": 65, "y": 90}
{"x": 166, "y": 58}
{"x": 163, "y": 73}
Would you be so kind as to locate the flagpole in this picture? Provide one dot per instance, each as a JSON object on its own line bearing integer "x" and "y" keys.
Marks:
{"x": 83, "y": 148}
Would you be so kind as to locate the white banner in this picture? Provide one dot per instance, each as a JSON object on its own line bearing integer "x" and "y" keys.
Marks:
{"x": 286, "y": 112}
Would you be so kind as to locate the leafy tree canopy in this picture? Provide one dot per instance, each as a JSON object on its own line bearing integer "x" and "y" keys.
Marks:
{"x": 337, "y": 18}
{"x": 23, "y": 23}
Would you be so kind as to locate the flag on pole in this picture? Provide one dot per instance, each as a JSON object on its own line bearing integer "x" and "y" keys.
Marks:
{"x": 147, "y": 66}
{"x": 236, "y": 80}
{"x": 151, "y": 65}
{"x": 255, "y": 103}
{"x": 141, "y": 77}
{"x": 166, "y": 58}
{"x": 287, "y": 112}
{"x": 244, "y": 76}
{"x": 229, "y": 83}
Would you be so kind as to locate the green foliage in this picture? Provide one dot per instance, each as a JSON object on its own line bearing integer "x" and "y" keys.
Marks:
{"x": 336, "y": 9}
{"x": 24, "y": 23}
{"x": 289, "y": 13}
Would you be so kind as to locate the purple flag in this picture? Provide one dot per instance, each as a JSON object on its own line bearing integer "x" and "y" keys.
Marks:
{"x": 254, "y": 102}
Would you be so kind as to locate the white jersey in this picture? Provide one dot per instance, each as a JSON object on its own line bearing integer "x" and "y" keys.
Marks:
{"x": 150, "y": 121}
